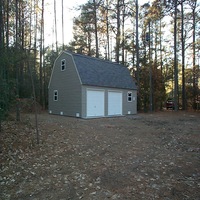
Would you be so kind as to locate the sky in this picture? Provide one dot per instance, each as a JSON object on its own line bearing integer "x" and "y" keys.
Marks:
{"x": 68, "y": 20}
{"x": 69, "y": 14}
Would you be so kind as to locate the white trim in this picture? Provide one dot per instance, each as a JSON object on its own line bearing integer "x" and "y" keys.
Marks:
{"x": 61, "y": 64}
{"x": 55, "y": 95}
{"x": 96, "y": 89}
{"x": 54, "y": 65}
{"x": 129, "y": 92}
{"x": 74, "y": 65}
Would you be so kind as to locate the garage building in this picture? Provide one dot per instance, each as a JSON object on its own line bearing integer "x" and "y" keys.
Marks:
{"x": 87, "y": 87}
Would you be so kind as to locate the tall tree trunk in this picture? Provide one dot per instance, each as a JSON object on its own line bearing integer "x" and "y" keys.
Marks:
{"x": 17, "y": 64}
{"x": 62, "y": 25}
{"x": 150, "y": 71}
{"x": 161, "y": 59}
{"x": 134, "y": 48}
{"x": 34, "y": 99}
{"x": 175, "y": 59}
{"x": 7, "y": 23}
{"x": 34, "y": 69}
{"x": 35, "y": 34}
{"x": 117, "y": 49}
{"x": 1, "y": 27}
{"x": 155, "y": 74}
{"x": 22, "y": 27}
{"x": 22, "y": 46}
{"x": 156, "y": 43}
{"x": 137, "y": 55}
{"x": 96, "y": 31}
{"x": 183, "y": 58}
{"x": 123, "y": 33}
{"x": 89, "y": 44}
{"x": 193, "y": 49}
{"x": 1, "y": 64}
{"x": 41, "y": 57}
{"x": 55, "y": 24}
{"x": 30, "y": 21}
{"x": 107, "y": 32}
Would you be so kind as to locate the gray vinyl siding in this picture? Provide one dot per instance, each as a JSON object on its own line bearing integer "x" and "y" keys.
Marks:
{"x": 129, "y": 106}
{"x": 126, "y": 106}
{"x": 68, "y": 84}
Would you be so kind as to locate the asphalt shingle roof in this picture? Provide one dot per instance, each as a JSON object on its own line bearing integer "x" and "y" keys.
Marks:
{"x": 98, "y": 72}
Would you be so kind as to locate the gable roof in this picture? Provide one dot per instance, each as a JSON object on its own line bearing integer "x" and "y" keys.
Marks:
{"x": 98, "y": 72}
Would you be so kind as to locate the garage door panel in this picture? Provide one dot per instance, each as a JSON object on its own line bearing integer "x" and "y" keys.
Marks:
{"x": 95, "y": 103}
{"x": 114, "y": 103}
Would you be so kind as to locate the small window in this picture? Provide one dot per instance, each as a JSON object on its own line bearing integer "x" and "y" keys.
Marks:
{"x": 55, "y": 95}
{"x": 129, "y": 96}
{"x": 63, "y": 64}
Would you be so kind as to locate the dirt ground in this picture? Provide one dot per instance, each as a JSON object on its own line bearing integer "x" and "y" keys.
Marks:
{"x": 143, "y": 156}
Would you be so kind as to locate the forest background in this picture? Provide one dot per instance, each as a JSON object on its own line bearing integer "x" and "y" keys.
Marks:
{"x": 159, "y": 42}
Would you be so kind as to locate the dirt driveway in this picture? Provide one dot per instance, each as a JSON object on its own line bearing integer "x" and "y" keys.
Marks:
{"x": 144, "y": 156}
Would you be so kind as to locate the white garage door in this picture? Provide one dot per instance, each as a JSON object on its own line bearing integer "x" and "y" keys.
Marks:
{"x": 114, "y": 103}
{"x": 95, "y": 103}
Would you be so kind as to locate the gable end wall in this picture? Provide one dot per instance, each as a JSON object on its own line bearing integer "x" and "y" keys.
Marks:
{"x": 68, "y": 84}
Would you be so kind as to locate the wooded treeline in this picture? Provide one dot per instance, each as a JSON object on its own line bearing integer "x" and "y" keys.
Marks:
{"x": 158, "y": 42}
{"x": 163, "y": 56}
{"x": 21, "y": 53}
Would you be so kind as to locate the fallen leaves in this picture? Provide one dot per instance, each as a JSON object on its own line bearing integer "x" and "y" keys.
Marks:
{"x": 145, "y": 157}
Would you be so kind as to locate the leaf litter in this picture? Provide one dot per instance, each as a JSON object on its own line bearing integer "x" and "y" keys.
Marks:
{"x": 144, "y": 156}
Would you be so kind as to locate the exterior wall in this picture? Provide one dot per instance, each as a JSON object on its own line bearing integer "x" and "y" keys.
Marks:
{"x": 68, "y": 84}
{"x": 127, "y": 107}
